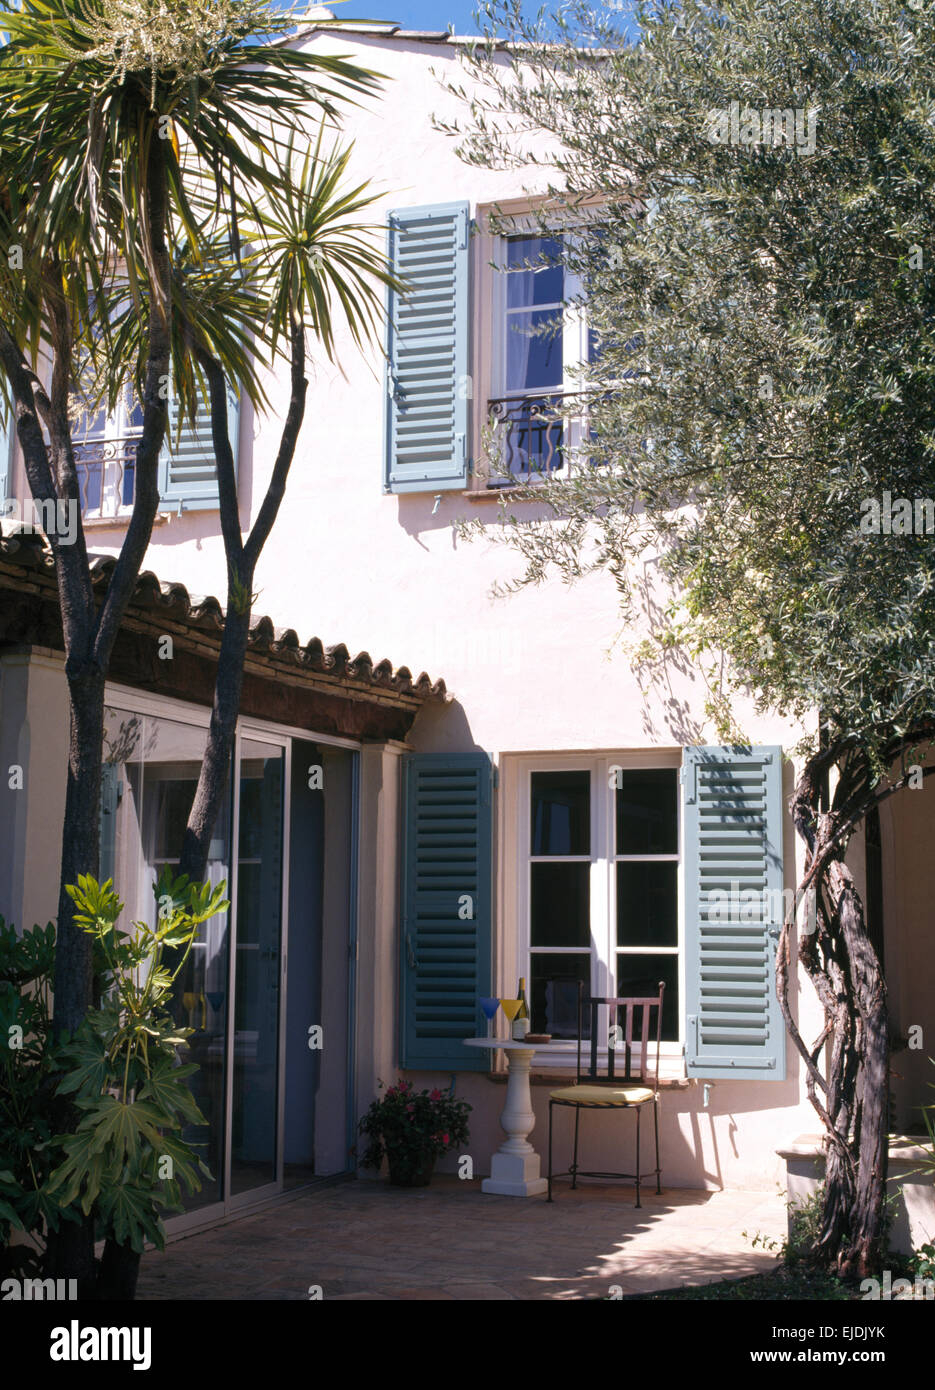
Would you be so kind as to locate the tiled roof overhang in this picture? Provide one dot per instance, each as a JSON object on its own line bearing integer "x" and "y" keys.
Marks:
{"x": 377, "y": 30}
{"x": 323, "y": 689}
{"x": 386, "y": 29}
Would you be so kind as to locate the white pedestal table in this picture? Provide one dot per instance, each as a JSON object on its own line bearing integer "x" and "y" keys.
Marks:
{"x": 514, "y": 1168}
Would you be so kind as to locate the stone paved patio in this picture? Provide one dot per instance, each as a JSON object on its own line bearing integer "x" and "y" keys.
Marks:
{"x": 366, "y": 1240}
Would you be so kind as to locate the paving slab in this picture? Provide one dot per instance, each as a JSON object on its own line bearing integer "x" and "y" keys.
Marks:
{"x": 451, "y": 1242}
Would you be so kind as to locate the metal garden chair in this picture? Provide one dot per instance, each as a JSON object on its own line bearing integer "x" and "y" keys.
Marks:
{"x": 611, "y": 1089}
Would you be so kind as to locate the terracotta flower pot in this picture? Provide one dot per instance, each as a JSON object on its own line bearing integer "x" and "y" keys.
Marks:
{"x": 409, "y": 1171}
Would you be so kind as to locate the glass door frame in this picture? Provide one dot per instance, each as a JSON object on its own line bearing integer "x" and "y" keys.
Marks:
{"x": 255, "y": 733}
{"x": 275, "y": 735}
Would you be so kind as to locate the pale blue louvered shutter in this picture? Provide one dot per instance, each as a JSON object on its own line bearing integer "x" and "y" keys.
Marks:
{"x": 187, "y": 470}
{"x": 428, "y": 344}
{"x": 733, "y": 912}
{"x": 7, "y": 431}
{"x": 446, "y": 909}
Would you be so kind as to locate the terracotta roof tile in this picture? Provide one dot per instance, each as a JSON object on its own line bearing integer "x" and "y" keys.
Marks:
{"x": 30, "y": 554}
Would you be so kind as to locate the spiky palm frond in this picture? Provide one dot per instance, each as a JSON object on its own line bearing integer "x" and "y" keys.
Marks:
{"x": 86, "y": 88}
{"x": 317, "y": 253}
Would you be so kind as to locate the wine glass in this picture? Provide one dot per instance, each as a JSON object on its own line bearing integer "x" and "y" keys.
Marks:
{"x": 511, "y": 1008}
{"x": 490, "y": 1007}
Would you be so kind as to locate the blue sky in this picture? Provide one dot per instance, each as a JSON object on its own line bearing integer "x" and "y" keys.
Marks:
{"x": 417, "y": 14}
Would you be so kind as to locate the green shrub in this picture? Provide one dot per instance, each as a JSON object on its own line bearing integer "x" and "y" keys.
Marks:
{"x": 804, "y": 1228}
{"x": 29, "y": 1069}
{"x": 409, "y": 1126}
{"x": 124, "y": 1159}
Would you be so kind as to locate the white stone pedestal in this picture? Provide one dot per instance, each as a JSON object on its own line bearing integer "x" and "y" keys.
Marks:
{"x": 514, "y": 1168}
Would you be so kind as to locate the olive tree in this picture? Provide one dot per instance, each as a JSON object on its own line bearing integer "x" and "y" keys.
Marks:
{"x": 751, "y": 185}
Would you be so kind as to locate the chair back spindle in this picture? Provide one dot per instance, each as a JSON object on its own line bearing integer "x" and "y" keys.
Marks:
{"x": 638, "y": 1013}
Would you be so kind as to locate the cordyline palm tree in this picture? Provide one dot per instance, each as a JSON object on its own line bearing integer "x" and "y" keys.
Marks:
{"x": 160, "y": 236}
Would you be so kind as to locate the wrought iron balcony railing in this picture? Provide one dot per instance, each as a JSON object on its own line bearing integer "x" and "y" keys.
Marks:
{"x": 535, "y": 436}
{"x": 106, "y": 471}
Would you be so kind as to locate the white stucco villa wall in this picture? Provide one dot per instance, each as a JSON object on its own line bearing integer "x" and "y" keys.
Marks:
{"x": 351, "y": 564}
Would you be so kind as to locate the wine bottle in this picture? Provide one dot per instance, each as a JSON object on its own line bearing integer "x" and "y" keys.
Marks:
{"x": 521, "y": 1021}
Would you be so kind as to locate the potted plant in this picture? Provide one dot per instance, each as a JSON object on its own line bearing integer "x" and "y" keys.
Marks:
{"x": 411, "y": 1128}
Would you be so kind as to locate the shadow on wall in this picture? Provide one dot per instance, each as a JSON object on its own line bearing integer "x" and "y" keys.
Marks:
{"x": 443, "y": 729}
{"x": 718, "y": 1147}
{"x": 691, "y": 1136}
{"x": 673, "y": 688}
{"x": 434, "y": 511}
{"x": 906, "y": 876}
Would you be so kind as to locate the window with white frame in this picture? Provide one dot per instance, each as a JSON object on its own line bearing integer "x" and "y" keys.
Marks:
{"x": 105, "y": 441}
{"x": 105, "y": 457}
{"x": 599, "y": 886}
{"x": 540, "y": 341}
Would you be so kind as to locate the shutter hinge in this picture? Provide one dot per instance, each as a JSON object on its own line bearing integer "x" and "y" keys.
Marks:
{"x": 463, "y": 229}
{"x": 461, "y": 448}
{"x": 496, "y": 776}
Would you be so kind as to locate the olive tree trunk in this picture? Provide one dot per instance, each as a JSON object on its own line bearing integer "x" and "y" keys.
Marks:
{"x": 850, "y": 1092}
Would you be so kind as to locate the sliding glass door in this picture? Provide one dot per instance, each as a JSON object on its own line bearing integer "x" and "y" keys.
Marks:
{"x": 275, "y": 1098}
{"x": 257, "y": 967}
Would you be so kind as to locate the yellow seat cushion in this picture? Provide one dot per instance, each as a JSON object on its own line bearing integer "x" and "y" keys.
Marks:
{"x": 604, "y": 1095}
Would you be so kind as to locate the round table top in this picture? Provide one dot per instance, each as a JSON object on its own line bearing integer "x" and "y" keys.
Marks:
{"x": 508, "y": 1044}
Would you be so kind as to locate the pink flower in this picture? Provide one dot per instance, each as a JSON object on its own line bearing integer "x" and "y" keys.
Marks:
{"x": 444, "y": 1138}
{"x": 436, "y": 1094}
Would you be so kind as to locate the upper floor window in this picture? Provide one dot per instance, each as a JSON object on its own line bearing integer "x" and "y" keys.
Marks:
{"x": 536, "y": 410}
{"x": 485, "y": 337}
{"x": 105, "y": 445}
{"x": 532, "y": 320}
{"x": 105, "y": 457}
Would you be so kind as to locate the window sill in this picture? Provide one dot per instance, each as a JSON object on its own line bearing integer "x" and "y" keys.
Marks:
{"x": 498, "y": 492}
{"x": 116, "y": 522}
{"x": 566, "y": 1076}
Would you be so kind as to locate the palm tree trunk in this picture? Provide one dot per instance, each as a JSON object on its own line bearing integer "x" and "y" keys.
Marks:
{"x": 215, "y": 769}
